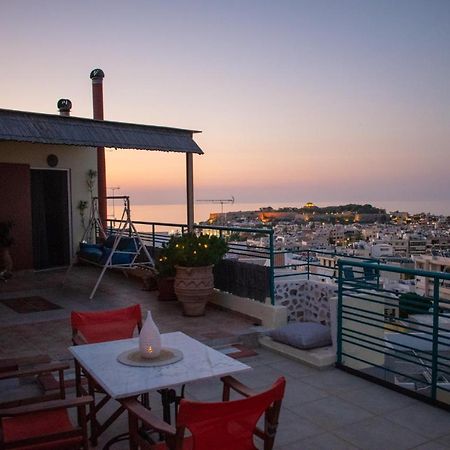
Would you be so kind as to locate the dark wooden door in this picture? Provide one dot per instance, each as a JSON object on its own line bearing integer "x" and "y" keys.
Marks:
{"x": 50, "y": 218}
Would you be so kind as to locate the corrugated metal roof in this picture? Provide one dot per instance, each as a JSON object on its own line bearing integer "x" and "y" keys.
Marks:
{"x": 23, "y": 126}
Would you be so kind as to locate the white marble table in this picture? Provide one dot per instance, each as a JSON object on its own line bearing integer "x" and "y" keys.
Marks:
{"x": 120, "y": 381}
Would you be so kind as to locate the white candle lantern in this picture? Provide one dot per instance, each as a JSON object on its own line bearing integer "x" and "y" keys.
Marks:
{"x": 149, "y": 339}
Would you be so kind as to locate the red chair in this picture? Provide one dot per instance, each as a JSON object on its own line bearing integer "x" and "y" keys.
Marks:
{"x": 100, "y": 326}
{"x": 33, "y": 424}
{"x": 89, "y": 327}
{"x": 41, "y": 384}
{"x": 220, "y": 426}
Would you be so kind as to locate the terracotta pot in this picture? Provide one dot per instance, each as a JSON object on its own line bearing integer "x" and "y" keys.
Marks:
{"x": 194, "y": 287}
{"x": 166, "y": 289}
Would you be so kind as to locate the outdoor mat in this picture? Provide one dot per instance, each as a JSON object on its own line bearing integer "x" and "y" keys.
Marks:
{"x": 24, "y": 305}
{"x": 237, "y": 351}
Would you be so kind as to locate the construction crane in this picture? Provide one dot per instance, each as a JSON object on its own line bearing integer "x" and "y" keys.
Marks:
{"x": 217, "y": 201}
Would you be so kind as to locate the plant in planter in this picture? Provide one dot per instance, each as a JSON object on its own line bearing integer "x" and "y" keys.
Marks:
{"x": 194, "y": 257}
{"x": 166, "y": 274}
{"x": 6, "y": 241}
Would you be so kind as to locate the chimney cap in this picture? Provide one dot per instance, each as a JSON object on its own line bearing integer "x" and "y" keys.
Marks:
{"x": 97, "y": 73}
{"x": 64, "y": 104}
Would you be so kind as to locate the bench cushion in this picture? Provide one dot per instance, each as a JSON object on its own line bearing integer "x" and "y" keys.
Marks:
{"x": 303, "y": 335}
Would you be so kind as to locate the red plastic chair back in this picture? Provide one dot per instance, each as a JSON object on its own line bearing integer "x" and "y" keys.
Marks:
{"x": 101, "y": 326}
{"x": 227, "y": 425}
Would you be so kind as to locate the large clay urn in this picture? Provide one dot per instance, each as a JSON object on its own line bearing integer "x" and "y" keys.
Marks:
{"x": 194, "y": 287}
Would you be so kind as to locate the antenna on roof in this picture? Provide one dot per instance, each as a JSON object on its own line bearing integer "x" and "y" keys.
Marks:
{"x": 221, "y": 201}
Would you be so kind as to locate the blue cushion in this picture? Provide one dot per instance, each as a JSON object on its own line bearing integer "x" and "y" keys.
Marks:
{"x": 127, "y": 244}
{"x": 91, "y": 252}
{"x": 118, "y": 258}
{"x": 110, "y": 241}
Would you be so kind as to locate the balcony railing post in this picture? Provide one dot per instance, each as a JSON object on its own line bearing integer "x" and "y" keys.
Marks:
{"x": 271, "y": 269}
{"x": 153, "y": 239}
{"x": 339, "y": 315}
{"x": 434, "y": 355}
{"x": 307, "y": 262}
{"x": 378, "y": 275}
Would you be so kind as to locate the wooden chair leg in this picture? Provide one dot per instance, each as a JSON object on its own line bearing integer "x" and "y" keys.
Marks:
{"x": 271, "y": 424}
{"x": 92, "y": 413}
{"x": 77, "y": 378}
{"x": 82, "y": 422}
{"x": 134, "y": 431}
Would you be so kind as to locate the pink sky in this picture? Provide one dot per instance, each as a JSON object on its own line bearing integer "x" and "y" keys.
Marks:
{"x": 297, "y": 100}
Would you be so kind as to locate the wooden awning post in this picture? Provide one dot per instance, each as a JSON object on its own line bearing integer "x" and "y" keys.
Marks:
{"x": 190, "y": 191}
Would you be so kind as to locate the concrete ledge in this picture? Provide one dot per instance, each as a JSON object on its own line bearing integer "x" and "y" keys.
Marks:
{"x": 320, "y": 358}
{"x": 270, "y": 316}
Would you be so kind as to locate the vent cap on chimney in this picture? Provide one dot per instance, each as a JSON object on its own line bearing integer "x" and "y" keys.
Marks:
{"x": 64, "y": 105}
{"x": 97, "y": 73}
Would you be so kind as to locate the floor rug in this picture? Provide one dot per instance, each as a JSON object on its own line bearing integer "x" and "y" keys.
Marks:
{"x": 24, "y": 305}
{"x": 237, "y": 351}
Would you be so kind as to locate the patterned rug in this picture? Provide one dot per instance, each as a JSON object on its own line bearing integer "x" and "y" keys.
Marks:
{"x": 24, "y": 305}
{"x": 237, "y": 351}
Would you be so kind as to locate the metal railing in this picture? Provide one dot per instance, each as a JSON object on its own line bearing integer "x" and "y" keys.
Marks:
{"x": 400, "y": 341}
{"x": 310, "y": 262}
{"x": 156, "y": 234}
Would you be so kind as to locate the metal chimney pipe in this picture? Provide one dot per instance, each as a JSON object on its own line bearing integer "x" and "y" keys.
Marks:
{"x": 97, "y": 76}
{"x": 64, "y": 106}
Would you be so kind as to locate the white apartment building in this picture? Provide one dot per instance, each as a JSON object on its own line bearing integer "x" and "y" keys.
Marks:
{"x": 337, "y": 234}
{"x": 400, "y": 246}
{"x": 381, "y": 250}
{"x": 425, "y": 285}
{"x": 417, "y": 245}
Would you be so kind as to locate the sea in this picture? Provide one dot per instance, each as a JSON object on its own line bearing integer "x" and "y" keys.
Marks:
{"x": 176, "y": 213}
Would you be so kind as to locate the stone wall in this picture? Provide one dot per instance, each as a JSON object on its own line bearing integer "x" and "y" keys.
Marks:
{"x": 305, "y": 300}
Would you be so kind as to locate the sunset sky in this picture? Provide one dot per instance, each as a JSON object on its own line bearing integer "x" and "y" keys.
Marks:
{"x": 296, "y": 100}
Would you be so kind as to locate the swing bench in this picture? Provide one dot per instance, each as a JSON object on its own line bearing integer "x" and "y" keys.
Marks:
{"x": 123, "y": 249}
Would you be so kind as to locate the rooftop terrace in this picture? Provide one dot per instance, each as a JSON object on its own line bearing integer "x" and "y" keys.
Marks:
{"x": 327, "y": 409}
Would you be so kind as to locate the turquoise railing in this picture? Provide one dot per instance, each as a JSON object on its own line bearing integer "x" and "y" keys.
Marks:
{"x": 156, "y": 234}
{"x": 400, "y": 341}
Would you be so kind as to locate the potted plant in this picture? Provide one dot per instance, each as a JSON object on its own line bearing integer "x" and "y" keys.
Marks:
{"x": 193, "y": 257}
{"x": 6, "y": 241}
{"x": 166, "y": 274}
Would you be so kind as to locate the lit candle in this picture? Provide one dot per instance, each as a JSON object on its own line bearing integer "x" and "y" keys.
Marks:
{"x": 149, "y": 339}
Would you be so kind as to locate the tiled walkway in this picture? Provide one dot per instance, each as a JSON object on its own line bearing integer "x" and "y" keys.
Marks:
{"x": 327, "y": 410}
{"x": 49, "y": 331}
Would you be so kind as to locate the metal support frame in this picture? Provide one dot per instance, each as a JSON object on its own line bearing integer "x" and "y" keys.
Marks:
{"x": 125, "y": 225}
{"x": 190, "y": 191}
{"x": 272, "y": 268}
{"x": 126, "y": 228}
{"x": 435, "y": 339}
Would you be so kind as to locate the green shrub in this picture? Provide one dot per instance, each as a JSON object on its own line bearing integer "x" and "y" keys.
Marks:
{"x": 165, "y": 263}
{"x": 411, "y": 303}
{"x": 192, "y": 250}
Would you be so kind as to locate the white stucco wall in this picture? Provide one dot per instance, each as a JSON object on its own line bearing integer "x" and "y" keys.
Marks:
{"x": 77, "y": 160}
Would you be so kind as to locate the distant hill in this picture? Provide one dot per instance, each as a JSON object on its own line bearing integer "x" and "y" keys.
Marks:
{"x": 350, "y": 207}
{"x": 349, "y": 213}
